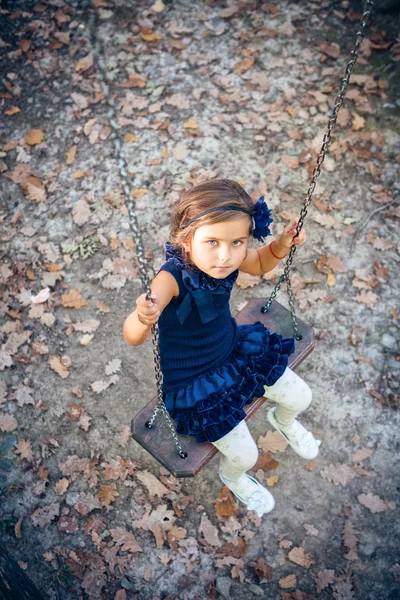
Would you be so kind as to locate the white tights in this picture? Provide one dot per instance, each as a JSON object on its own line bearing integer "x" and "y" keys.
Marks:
{"x": 238, "y": 449}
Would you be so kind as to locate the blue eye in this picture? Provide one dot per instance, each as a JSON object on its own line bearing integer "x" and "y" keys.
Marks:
{"x": 237, "y": 243}
{"x": 211, "y": 242}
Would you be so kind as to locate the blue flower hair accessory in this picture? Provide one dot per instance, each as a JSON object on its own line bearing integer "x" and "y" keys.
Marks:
{"x": 261, "y": 217}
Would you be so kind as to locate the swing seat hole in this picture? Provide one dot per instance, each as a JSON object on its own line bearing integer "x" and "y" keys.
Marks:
{"x": 264, "y": 310}
{"x": 183, "y": 455}
{"x": 148, "y": 425}
{"x": 299, "y": 337}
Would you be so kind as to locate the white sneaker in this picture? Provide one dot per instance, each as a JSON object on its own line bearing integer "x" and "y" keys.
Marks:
{"x": 261, "y": 500}
{"x": 302, "y": 441}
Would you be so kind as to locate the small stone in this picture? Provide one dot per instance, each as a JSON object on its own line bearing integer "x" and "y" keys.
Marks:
{"x": 6, "y": 466}
{"x": 70, "y": 499}
{"x": 284, "y": 181}
{"x": 388, "y": 341}
{"x": 340, "y": 368}
{"x": 126, "y": 584}
{"x": 8, "y": 442}
{"x": 223, "y": 586}
{"x": 256, "y": 589}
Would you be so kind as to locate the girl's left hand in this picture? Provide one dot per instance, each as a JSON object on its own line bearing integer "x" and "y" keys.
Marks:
{"x": 286, "y": 239}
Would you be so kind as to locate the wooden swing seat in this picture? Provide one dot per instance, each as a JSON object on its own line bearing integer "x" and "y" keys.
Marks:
{"x": 158, "y": 440}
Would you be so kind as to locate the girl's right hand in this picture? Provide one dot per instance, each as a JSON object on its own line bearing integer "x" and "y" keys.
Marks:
{"x": 148, "y": 311}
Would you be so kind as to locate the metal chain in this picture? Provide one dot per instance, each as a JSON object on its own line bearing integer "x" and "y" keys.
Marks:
{"x": 317, "y": 170}
{"x": 98, "y": 55}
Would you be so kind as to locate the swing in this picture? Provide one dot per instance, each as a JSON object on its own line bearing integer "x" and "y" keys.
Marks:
{"x": 162, "y": 441}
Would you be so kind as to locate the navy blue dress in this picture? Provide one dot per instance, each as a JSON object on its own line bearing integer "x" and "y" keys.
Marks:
{"x": 211, "y": 366}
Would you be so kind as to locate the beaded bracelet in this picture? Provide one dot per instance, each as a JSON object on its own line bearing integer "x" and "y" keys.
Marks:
{"x": 274, "y": 255}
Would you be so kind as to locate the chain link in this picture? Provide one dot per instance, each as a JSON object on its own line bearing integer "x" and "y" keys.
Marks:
{"x": 317, "y": 170}
{"x": 98, "y": 57}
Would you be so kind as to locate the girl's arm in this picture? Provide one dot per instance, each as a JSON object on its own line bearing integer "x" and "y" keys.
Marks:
{"x": 263, "y": 260}
{"x": 138, "y": 325}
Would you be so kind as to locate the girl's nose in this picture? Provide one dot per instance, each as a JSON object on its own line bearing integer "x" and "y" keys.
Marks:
{"x": 224, "y": 254}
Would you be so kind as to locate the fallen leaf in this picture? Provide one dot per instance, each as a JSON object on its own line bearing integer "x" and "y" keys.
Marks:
{"x": 124, "y": 436}
{"x": 180, "y": 151}
{"x": 372, "y": 502}
{"x": 125, "y": 539}
{"x": 17, "y": 528}
{"x": 350, "y": 540}
{"x": 288, "y": 582}
{"x": 41, "y": 297}
{"x": 44, "y": 516}
{"x": 263, "y": 571}
{"x": 209, "y": 531}
{"x": 71, "y": 154}
{"x": 271, "y": 481}
{"x": 61, "y": 486}
{"x": 299, "y": 557}
{"x": 113, "y": 366}
{"x": 73, "y": 299}
{"x": 24, "y": 449}
{"x": 338, "y": 474}
{"x": 35, "y": 136}
{"x": 324, "y": 578}
{"x": 358, "y": 122}
{"x": 84, "y": 63}
{"x": 361, "y": 454}
{"x": 310, "y": 529}
{"x": 7, "y": 422}
{"x": 272, "y": 442}
{"x": 107, "y": 494}
{"x": 154, "y": 485}
{"x": 245, "y": 280}
{"x": 57, "y": 366}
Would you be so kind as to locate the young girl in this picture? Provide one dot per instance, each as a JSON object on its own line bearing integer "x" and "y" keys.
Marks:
{"x": 211, "y": 366}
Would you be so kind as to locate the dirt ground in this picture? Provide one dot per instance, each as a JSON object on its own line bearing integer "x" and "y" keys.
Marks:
{"x": 203, "y": 90}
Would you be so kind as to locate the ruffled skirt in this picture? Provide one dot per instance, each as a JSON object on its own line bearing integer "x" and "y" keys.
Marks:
{"x": 211, "y": 405}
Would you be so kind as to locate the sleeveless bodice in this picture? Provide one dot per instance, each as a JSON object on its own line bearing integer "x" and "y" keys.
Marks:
{"x": 197, "y": 330}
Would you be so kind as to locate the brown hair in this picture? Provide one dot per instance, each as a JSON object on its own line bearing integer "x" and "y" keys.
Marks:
{"x": 217, "y": 192}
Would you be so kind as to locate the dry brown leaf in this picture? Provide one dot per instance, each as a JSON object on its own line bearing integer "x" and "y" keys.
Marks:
{"x": 271, "y": 481}
{"x": 310, "y": 529}
{"x": 372, "y": 502}
{"x": 7, "y": 422}
{"x": 154, "y": 485}
{"x": 180, "y": 151}
{"x": 81, "y": 212}
{"x": 336, "y": 264}
{"x": 124, "y": 436}
{"x": 244, "y": 65}
{"x": 338, "y": 474}
{"x": 99, "y": 386}
{"x": 358, "y": 122}
{"x": 350, "y": 540}
{"x": 159, "y": 521}
{"x": 17, "y": 528}
{"x": 361, "y": 454}
{"x": 288, "y": 582}
{"x": 311, "y": 466}
{"x": 84, "y": 63}
{"x": 299, "y": 557}
{"x": 13, "y": 110}
{"x": 35, "y": 136}
{"x": 266, "y": 462}
{"x": 225, "y": 505}
{"x": 24, "y": 449}
{"x": 113, "y": 366}
{"x": 126, "y": 540}
{"x": 84, "y": 422}
{"x": 73, "y": 299}
{"x": 263, "y": 571}
{"x": 107, "y": 494}
{"x": 324, "y": 578}
{"x": 61, "y": 486}
{"x": 57, "y": 366}
{"x": 272, "y": 442}
{"x": 209, "y": 531}
{"x": 245, "y": 280}
{"x": 70, "y": 157}
{"x": 226, "y": 13}
{"x": 191, "y": 124}
{"x": 291, "y": 162}
{"x": 368, "y": 298}
{"x": 44, "y": 516}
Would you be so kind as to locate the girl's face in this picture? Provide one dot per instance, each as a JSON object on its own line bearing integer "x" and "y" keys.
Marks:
{"x": 220, "y": 248}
